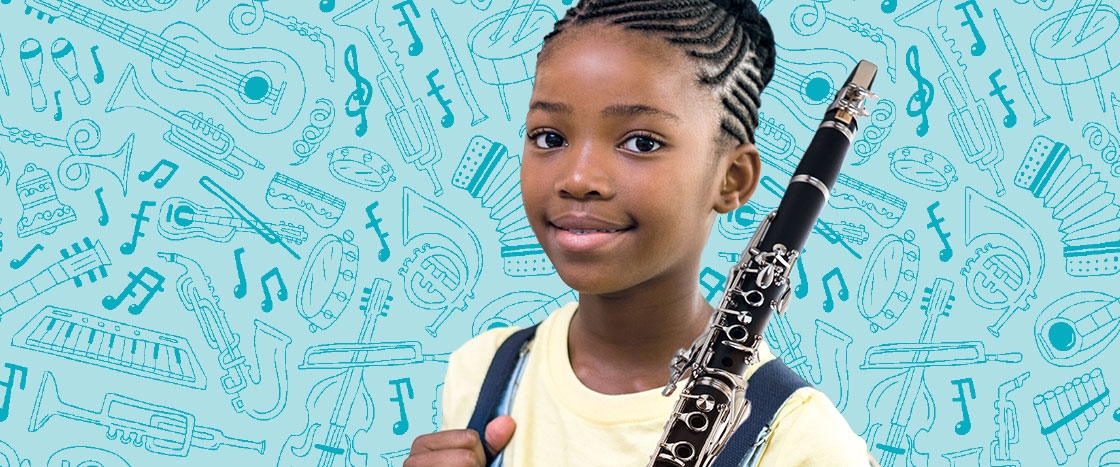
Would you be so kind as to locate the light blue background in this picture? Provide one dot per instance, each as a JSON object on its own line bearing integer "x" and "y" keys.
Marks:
{"x": 988, "y": 315}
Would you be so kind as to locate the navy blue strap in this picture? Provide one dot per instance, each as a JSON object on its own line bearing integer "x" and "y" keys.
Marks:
{"x": 767, "y": 389}
{"x": 493, "y": 387}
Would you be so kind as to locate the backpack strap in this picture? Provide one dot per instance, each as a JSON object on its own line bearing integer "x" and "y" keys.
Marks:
{"x": 767, "y": 389}
{"x": 493, "y": 387}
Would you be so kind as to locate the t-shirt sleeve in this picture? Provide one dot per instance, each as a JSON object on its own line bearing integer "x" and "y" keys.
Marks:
{"x": 466, "y": 368}
{"x": 810, "y": 432}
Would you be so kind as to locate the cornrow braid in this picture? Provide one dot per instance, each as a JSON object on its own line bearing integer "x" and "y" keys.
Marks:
{"x": 730, "y": 41}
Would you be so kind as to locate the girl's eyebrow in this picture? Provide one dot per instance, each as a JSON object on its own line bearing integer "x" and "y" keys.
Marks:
{"x": 612, "y": 111}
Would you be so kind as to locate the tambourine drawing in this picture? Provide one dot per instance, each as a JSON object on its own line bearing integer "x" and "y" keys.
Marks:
{"x": 889, "y": 280}
{"x": 328, "y": 279}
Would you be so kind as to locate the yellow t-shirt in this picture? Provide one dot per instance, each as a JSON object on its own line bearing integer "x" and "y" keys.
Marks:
{"x": 561, "y": 422}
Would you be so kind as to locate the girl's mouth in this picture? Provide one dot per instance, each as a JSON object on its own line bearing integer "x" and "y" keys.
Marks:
{"x": 586, "y": 240}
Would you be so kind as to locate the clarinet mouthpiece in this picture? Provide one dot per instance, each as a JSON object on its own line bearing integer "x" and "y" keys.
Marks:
{"x": 849, "y": 99}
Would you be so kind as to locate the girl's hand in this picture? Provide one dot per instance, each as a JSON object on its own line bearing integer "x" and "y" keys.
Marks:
{"x": 460, "y": 448}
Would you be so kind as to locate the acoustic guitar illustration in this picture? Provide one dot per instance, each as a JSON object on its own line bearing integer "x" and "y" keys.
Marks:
{"x": 262, "y": 87}
{"x": 181, "y": 218}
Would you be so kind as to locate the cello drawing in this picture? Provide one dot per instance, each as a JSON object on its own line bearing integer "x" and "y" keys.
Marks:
{"x": 339, "y": 408}
{"x": 900, "y": 408}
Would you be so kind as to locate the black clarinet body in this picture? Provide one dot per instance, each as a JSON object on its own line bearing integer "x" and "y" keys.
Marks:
{"x": 712, "y": 403}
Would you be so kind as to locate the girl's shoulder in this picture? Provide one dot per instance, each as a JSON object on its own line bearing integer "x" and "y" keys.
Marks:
{"x": 466, "y": 368}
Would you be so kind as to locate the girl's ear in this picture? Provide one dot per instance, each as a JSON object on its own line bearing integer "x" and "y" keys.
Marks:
{"x": 740, "y": 178}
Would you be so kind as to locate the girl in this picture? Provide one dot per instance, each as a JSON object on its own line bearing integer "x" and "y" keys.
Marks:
{"x": 640, "y": 132}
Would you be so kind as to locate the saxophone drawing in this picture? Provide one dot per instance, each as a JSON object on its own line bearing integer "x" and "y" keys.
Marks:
{"x": 268, "y": 394}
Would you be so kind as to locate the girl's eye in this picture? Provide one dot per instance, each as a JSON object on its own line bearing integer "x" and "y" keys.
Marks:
{"x": 547, "y": 140}
{"x": 642, "y": 144}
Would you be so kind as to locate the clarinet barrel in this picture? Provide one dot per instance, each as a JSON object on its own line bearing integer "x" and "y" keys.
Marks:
{"x": 712, "y": 404}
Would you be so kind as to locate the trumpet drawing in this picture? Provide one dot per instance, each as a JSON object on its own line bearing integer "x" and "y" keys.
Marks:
{"x": 158, "y": 429}
{"x": 191, "y": 133}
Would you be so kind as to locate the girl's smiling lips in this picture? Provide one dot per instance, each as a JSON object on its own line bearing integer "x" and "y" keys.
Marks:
{"x": 576, "y": 232}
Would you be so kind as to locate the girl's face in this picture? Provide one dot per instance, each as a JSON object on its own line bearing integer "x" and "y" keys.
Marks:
{"x": 619, "y": 177}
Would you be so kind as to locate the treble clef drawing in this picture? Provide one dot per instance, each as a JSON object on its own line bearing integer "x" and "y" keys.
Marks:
{"x": 363, "y": 90}
{"x": 921, "y": 99}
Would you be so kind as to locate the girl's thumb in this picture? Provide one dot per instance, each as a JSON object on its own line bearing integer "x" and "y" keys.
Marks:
{"x": 498, "y": 433}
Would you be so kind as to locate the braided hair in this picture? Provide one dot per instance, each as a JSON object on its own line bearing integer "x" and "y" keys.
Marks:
{"x": 729, "y": 40}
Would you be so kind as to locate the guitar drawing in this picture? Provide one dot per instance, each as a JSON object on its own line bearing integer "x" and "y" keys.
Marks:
{"x": 260, "y": 86}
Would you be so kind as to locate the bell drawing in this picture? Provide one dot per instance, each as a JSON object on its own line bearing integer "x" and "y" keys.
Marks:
{"x": 42, "y": 211}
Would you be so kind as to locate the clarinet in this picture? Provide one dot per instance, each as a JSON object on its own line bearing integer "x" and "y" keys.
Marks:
{"x": 712, "y": 404}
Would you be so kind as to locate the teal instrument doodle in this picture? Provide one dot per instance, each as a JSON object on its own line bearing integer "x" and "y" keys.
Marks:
{"x": 340, "y": 407}
{"x": 265, "y": 379}
{"x": 247, "y": 18}
{"x": 43, "y": 211}
{"x": 361, "y": 167}
{"x": 88, "y": 262}
{"x": 923, "y": 168}
{"x": 1077, "y": 327}
{"x": 63, "y": 56}
{"x": 443, "y": 267}
{"x": 112, "y": 345}
{"x": 198, "y": 136}
{"x": 248, "y": 217}
{"x": 1066, "y": 411}
{"x": 501, "y": 43}
{"x": 1021, "y": 73}
{"x": 261, "y": 87}
{"x": 322, "y": 208}
{"x": 31, "y": 58}
{"x": 74, "y": 170}
{"x": 488, "y": 171}
{"x": 3, "y": 77}
{"x": 326, "y": 285}
{"x": 1008, "y": 259}
{"x": 1007, "y": 421}
{"x": 11, "y": 457}
{"x": 181, "y": 218}
{"x": 477, "y": 115}
{"x": 1080, "y": 200}
{"x": 889, "y": 280}
{"x": 156, "y": 428}
{"x": 407, "y": 118}
{"x": 1077, "y": 45}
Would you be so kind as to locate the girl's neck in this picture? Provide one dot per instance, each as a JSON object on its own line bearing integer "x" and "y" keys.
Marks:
{"x": 623, "y": 344}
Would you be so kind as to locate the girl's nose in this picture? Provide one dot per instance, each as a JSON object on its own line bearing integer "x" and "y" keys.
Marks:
{"x": 586, "y": 173}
